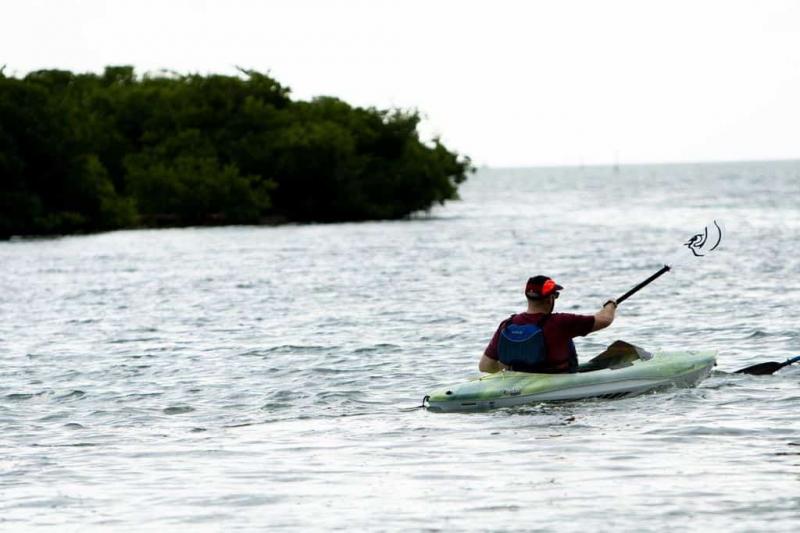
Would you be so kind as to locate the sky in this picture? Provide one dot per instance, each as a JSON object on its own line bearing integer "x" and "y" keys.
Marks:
{"x": 509, "y": 83}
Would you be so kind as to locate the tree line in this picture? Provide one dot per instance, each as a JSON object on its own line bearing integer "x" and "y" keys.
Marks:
{"x": 93, "y": 152}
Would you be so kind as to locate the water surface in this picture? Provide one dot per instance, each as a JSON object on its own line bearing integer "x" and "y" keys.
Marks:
{"x": 252, "y": 377}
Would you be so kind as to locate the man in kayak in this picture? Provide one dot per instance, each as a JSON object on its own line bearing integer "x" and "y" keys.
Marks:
{"x": 539, "y": 340}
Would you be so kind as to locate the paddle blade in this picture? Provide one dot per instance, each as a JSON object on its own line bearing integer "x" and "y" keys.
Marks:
{"x": 764, "y": 369}
{"x": 761, "y": 369}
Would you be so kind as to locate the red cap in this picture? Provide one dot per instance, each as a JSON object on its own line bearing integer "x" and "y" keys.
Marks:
{"x": 541, "y": 287}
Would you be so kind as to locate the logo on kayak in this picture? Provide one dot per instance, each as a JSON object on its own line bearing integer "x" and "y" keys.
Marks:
{"x": 705, "y": 242}
{"x": 512, "y": 392}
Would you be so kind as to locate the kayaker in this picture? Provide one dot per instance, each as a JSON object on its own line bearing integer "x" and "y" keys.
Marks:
{"x": 540, "y": 340}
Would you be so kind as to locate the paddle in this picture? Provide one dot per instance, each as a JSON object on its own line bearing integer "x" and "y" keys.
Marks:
{"x": 764, "y": 369}
{"x": 699, "y": 244}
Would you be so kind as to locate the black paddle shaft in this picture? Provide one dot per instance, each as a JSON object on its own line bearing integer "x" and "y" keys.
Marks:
{"x": 643, "y": 284}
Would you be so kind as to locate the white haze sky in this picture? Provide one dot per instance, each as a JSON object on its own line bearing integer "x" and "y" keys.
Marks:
{"x": 510, "y": 83}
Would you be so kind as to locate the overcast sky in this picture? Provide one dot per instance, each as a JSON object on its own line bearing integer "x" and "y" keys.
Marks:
{"x": 510, "y": 83}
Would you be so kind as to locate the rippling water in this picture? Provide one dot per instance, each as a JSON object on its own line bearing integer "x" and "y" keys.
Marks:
{"x": 240, "y": 378}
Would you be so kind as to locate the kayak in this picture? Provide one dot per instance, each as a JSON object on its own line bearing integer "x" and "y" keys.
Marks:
{"x": 623, "y": 370}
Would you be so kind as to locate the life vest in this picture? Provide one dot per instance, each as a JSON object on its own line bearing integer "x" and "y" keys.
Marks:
{"x": 522, "y": 346}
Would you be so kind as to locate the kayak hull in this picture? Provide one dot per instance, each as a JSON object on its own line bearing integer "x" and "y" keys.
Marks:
{"x": 509, "y": 389}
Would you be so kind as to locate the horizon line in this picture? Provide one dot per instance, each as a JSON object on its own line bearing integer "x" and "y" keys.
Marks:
{"x": 640, "y": 164}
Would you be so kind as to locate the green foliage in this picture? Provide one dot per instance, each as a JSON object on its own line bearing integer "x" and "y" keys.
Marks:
{"x": 86, "y": 152}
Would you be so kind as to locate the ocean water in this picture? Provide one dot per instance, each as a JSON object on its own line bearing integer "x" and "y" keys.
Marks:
{"x": 245, "y": 378}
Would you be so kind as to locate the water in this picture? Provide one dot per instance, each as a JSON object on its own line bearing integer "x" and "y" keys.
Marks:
{"x": 252, "y": 377}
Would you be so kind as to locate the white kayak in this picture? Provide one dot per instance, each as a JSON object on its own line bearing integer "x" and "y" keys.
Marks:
{"x": 622, "y": 371}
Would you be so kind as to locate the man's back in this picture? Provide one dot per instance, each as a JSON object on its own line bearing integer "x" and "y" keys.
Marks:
{"x": 559, "y": 329}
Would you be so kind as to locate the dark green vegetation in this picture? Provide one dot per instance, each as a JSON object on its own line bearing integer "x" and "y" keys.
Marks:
{"x": 87, "y": 152}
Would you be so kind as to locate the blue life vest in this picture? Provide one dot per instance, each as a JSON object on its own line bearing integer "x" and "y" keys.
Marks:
{"x": 522, "y": 346}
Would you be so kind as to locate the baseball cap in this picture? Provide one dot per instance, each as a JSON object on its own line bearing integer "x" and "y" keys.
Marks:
{"x": 541, "y": 287}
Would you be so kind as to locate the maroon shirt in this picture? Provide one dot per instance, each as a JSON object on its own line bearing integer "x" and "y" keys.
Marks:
{"x": 559, "y": 330}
